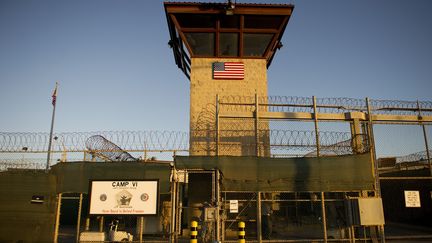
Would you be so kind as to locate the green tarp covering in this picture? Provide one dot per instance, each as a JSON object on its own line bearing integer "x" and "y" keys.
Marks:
{"x": 341, "y": 173}
{"x": 20, "y": 219}
{"x": 75, "y": 176}
{"x": 24, "y": 221}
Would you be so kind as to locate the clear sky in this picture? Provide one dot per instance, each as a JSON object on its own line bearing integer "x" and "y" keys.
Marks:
{"x": 116, "y": 70}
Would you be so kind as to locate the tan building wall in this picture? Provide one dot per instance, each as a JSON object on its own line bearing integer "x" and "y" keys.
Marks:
{"x": 236, "y": 137}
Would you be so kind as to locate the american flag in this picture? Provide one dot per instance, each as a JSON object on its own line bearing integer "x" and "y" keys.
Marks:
{"x": 228, "y": 70}
{"x": 54, "y": 96}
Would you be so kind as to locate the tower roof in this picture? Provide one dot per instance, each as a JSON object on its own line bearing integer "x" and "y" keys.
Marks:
{"x": 225, "y": 30}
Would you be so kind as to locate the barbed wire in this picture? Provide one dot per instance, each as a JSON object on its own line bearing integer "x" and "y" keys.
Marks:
{"x": 75, "y": 141}
{"x": 324, "y": 105}
{"x": 100, "y": 146}
{"x": 128, "y": 141}
{"x": 233, "y": 141}
{"x": 414, "y": 157}
{"x": 17, "y": 164}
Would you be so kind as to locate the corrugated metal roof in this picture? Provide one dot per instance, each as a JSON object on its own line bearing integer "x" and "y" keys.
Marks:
{"x": 237, "y": 4}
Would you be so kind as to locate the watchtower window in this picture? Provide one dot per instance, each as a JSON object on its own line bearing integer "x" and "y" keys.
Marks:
{"x": 202, "y": 44}
{"x": 228, "y": 44}
{"x": 221, "y": 30}
{"x": 255, "y": 45}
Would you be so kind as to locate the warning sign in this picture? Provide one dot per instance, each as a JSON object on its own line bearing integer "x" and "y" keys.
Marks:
{"x": 412, "y": 199}
{"x": 233, "y": 205}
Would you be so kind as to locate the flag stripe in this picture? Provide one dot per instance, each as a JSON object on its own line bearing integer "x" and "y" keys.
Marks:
{"x": 228, "y": 70}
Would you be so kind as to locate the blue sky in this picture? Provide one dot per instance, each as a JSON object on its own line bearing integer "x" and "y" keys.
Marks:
{"x": 116, "y": 71}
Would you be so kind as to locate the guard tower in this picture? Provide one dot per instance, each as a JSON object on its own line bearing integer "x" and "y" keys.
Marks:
{"x": 224, "y": 49}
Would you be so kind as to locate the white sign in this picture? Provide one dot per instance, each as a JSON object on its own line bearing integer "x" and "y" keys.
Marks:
{"x": 124, "y": 197}
{"x": 412, "y": 199}
{"x": 233, "y": 206}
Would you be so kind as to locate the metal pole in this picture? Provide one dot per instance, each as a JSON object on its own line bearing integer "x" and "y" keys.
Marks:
{"x": 141, "y": 228}
{"x": 257, "y": 140}
{"x": 145, "y": 151}
{"x": 50, "y": 140}
{"x": 425, "y": 138}
{"x": 372, "y": 149}
{"x": 57, "y": 219}
{"x": 218, "y": 224}
{"x": 375, "y": 174}
{"x": 324, "y": 218}
{"x": 316, "y": 125}
{"x": 79, "y": 217}
{"x": 54, "y": 101}
{"x": 173, "y": 204}
{"x": 259, "y": 229}
{"x": 87, "y": 224}
{"x": 101, "y": 224}
{"x": 178, "y": 212}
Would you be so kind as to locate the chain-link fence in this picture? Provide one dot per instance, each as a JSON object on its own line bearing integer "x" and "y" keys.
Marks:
{"x": 396, "y": 133}
{"x": 293, "y": 217}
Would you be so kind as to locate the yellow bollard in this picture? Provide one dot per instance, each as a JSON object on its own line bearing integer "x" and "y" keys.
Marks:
{"x": 241, "y": 232}
{"x": 194, "y": 232}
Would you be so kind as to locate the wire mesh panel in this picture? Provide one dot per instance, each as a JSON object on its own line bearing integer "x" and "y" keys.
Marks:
{"x": 398, "y": 140}
{"x": 405, "y": 187}
{"x": 291, "y": 138}
{"x": 294, "y": 216}
{"x": 237, "y": 137}
{"x": 246, "y": 212}
{"x": 291, "y": 217}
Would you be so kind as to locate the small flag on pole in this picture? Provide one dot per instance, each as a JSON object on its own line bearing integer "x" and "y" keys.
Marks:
{"x": 228, "y": 70}
{"x": 54, "y": 95}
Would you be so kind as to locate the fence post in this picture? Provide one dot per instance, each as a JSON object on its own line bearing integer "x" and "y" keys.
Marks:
{"x": 101, "y": 223}
{"x": 57, "y": 219}
{"x": 218, "y": 196}
{"x": 372, "y": 149}
{"x": 315, "y": 112}
{"x": 172, "y": 228}
{"x": 241, "y": 232}
{"x": 425, "y": 137}
{"x": 259, "y": 222}
{"x": 140, "y": 230}
{"x": 375, "y": 174}
{"x": 79, "y": 217}
{"x": 324, "y": 218}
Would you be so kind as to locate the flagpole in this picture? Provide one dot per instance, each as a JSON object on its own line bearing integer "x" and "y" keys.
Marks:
{"x": 54, "y": 101}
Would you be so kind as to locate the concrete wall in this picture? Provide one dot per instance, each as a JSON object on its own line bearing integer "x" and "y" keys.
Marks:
{"x": 203, "y": 91}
